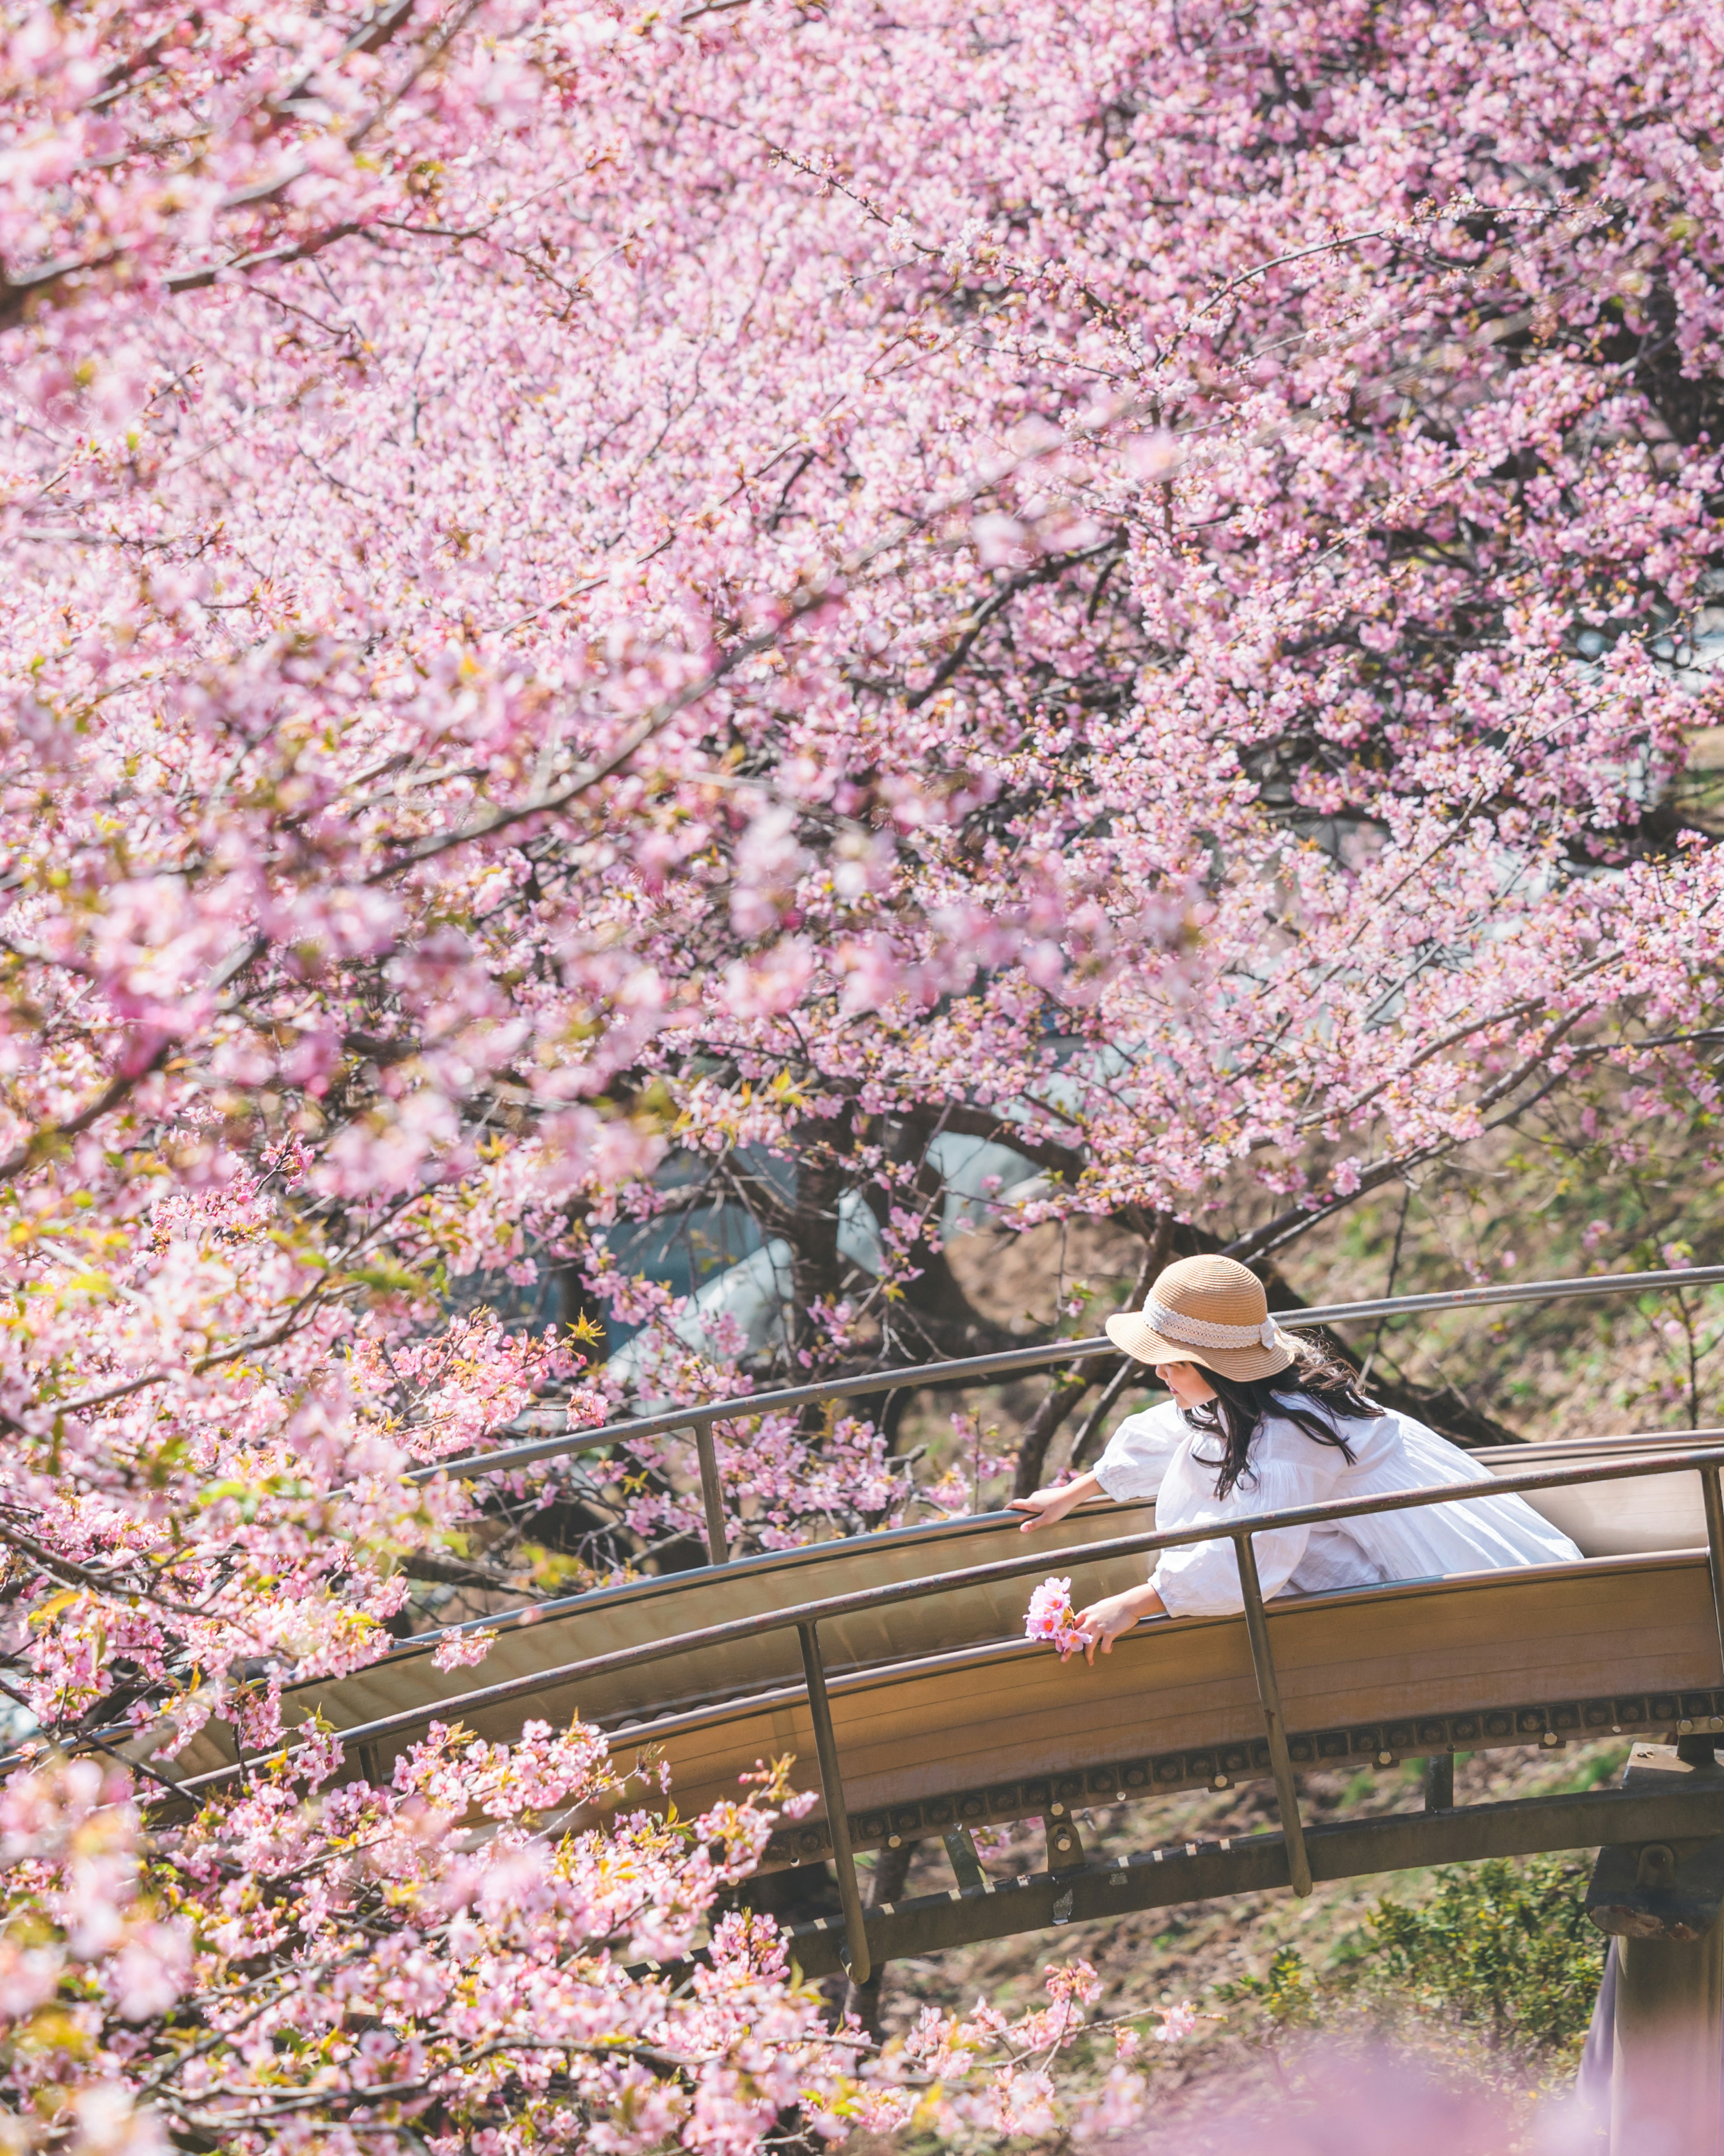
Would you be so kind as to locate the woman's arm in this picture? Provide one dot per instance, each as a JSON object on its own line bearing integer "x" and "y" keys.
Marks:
{"x": 1045, "y": 1506}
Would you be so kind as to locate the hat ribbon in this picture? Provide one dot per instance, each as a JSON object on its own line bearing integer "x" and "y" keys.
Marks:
{"x": 1199, "y": 1333}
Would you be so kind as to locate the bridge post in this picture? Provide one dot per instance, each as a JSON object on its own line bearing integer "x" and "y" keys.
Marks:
{"x": 718, "y": 1541}
{"x": 1659, "y": 1902}
{"x": 838, "y": 1819}
{"x": 1269, "y": 1694}
{"x": 1665, "y": 2090}
{"x": 1714, "y": 1497}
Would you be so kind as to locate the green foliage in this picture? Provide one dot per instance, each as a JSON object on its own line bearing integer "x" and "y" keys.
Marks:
{"x": 1287, "y": 1992}
{"x": 1503, "y": 1945}
{"x": 1502, "y": 1948}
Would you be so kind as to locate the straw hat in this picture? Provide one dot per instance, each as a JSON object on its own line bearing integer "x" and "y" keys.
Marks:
{"x": 1211, "y": 1311}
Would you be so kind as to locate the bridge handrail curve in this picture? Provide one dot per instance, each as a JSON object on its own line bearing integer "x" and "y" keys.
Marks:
{"x": 700, "y": 1415}
{"x": 1707, "y": 1459}
{"x": 861, "y": 1600}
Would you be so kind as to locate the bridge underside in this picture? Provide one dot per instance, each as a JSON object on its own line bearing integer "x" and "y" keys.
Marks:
{"x": 1255, "y": 1864}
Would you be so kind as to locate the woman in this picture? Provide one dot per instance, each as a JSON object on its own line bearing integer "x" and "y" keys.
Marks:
{"x": 1257, "y": 1425}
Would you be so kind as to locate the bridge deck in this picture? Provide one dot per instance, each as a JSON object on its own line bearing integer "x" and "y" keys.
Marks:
{"x": 1002, "y": 1732}
{"x": 944, "y": 1715}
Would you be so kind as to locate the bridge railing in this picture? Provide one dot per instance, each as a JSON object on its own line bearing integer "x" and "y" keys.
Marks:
{"x": 1706, "y": 1458}
{"x": 699, "y": 1417}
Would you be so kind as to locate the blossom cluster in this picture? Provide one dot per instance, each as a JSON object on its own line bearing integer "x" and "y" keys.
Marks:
{"x": 423, "y": 1961}
{"x": 434, "y": 1962}
{"x": 1051, "y": 1617}
{"x": 976, "y": 2079}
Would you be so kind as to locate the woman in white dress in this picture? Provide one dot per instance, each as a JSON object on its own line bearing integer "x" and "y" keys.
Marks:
{"x": 1258, "y": 1425}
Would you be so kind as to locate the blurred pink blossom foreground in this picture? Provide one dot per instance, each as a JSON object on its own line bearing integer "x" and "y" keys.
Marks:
{"x": 1341, "y": 2104}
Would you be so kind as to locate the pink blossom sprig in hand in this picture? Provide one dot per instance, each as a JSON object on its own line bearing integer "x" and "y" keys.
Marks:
{"x": 1051, "y": 1617}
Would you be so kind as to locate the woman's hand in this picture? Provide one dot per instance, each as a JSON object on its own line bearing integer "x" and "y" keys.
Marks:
{"x": 1045, "y": 1506}
{"x": 1106, "y": 1621}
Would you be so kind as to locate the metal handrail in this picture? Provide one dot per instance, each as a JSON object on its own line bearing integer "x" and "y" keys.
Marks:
{"x": 1707, "y": 1459}
{"x": 861, "y": 1599}
{"x": 700, "y": 1416}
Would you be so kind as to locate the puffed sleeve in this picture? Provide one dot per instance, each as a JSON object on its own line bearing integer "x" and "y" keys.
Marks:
{"x": 1136, "y": 1455}
{"x": 1288, "y": 1469}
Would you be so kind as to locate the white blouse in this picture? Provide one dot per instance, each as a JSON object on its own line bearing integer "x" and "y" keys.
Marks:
{"x": 1157, "y": 1454}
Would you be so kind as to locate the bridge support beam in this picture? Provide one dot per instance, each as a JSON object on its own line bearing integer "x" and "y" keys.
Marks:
{"x": 1659, "y": 1902}
{"x": 857, "y": 1956}
{"x": 1666, "y": 2084}
{"x": 1257, "y": 1864}
{"x": 966, "y": 1864}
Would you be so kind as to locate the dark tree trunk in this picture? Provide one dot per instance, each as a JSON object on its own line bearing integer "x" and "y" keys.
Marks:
{"x": 1068, "y": 1386}
{"x": 937, "y": 1320}
{"x": 817, "y": 1270}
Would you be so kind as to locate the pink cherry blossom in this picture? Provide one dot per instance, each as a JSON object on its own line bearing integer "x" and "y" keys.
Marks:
{"x": 1051, "y": 1617}
{"x": 628, "y": 630}
{"x": 1177, "y": 2022}
{"x": 502, "y": 1979}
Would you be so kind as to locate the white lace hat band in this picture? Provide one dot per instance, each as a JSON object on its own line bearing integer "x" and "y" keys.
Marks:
{"x": 1174, "y": 1325}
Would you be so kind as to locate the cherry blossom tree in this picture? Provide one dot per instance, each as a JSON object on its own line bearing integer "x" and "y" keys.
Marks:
{"x": 346, "y": 1958}
{"x": 620, "y": 619}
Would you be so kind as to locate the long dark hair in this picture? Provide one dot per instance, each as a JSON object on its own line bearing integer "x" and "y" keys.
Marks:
{"x": 1314, "y": 1395}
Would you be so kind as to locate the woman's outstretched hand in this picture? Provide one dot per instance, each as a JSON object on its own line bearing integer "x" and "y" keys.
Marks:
{"x": 1045, "y": 1506}
{"x": 1106, "y": 1621}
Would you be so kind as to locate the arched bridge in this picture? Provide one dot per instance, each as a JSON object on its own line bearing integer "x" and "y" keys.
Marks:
{"x": 893, "y": 1666}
